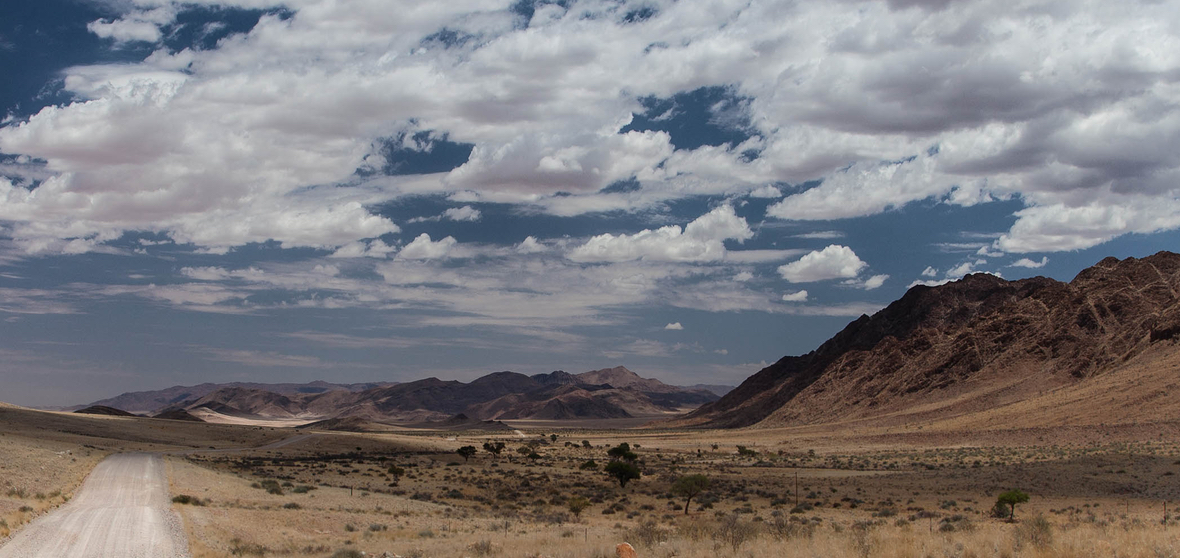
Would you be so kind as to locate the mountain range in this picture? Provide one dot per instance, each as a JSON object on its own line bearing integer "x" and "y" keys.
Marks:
{"x": 1101, "y": 348}
{"x": 607, "y": 393}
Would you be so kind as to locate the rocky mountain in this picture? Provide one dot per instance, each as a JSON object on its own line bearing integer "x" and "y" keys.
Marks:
{"x": 608, "y": 393}
{"x": 148, "y": 401}
{"x": 971, "y": 346}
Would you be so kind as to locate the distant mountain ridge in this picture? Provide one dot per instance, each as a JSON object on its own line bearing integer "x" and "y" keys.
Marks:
{"x": 979, "y": 344}
{"x": 607, "y": 393}
{"x": 144, "y": 402}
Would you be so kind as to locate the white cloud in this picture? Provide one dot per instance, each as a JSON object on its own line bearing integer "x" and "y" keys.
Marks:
{"x": 767, "y": 191}
{"x": 743, "y": 276}
{"x": 530, "y": 245}
{"x": 884, "y": 103}
{"x": 465, "y": 213}
{"x": 701, "y": 240}
{"x": 1031, "y": 264}
{"x": 929, "y": 272}
{"x": 960, "y": 270}
{"x": 798, "y": 296}
{"x": 675, "y": 326}
{"x": 142, "y": 26}
{"x": 821, "y": 235}
{"x": 422, "y": 248}
{"x": 833, "y": 262}
{"x": 875, "y": 282}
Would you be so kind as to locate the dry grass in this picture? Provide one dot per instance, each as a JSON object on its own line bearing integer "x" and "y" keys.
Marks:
{"x": 874, "y": 494}
{"x": 38, "y": 475}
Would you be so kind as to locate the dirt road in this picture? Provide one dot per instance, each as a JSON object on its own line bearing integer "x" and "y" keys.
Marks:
{"x": 122, "y": 510}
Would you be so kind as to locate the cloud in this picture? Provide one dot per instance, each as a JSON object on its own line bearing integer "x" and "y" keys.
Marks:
{"x": 833, "y": 262}
{"x": 702, "y": 240}
{"x": 675, "y": 326}
{"x": 875, "y": 282}
{"x": 798, "y": 296}
{"x": 465, "y": 213}
{"x": 422, "y": 248}
{"x": 138, "y": 26}
{"x": 821, "y": 235}
{"x": 767, "y": 191}
{"x": 530, "y": 245}
{"x": 1031, "y": 264}
{"x": 743, "y": 276}
{"x": 870, "y": 105}
{"x": 929, "y": 272}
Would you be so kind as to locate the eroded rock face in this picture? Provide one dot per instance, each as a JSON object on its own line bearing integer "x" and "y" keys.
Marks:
{"x": 964, "y": 339}
{"x": 625, "y": 550}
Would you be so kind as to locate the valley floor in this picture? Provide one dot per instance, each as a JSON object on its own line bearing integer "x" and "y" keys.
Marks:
{"x": 872, "y": 493}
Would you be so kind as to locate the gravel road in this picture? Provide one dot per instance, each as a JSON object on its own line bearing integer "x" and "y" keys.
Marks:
{"x": 122, "y": 511}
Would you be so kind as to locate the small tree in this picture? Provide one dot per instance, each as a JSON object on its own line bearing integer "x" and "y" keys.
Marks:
{"x": 622, "y": 451}
{"x": 467, "y": 452}
{"x": 493, "y": 449}
{"x": 553, "y": 438}
{"x": 1010, "y": 499}
{"x": 689, "y": 486}
{"x": 622, "y": 472}
{"x": 586, "y": 444}
{"x": 577, "y": 505}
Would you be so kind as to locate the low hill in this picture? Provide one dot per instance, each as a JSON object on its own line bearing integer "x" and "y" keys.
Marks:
{"x": 968, "y": 348}
{"x": 104, "y": 410}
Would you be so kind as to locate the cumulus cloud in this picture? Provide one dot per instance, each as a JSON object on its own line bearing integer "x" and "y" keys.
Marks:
{"x": 1030, "y": 264}
{"x": 872, "y": 106}
{"x": 833, "y": 262}
{"x": 874, "y": 282}
{"x": 422, "y": 248}
{"x": 797, "y": 296}
{"x": 530, "y": 245}
{"x": 465, "y": 213}
{"x": 701, "y": 240}
{"x": 675, "y": 326}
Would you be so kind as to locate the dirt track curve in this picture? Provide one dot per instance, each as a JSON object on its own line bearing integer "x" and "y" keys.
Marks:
{"x": 121, "y": 511}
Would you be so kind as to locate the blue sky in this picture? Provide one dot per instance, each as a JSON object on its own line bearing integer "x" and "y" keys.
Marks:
{"x": 370, "y": 190}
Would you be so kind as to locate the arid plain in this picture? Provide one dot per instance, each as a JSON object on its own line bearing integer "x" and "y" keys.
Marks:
{"x": 926, "y": 490}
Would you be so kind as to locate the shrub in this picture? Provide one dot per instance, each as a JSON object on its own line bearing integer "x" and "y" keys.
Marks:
{"x": 347, "y": 553}
{"x": 648, "y": 534}
{"x": 588, "y": 465}
{"x": 622, "y": 472}
{"x": 732, "y": 530}
{"x": 1036, "y": 532}
{"x": 187, "y": 500}
{"x": 292, "y": 506}
{"x": 303, "y": 489}
{"x": 239, "y": 548}
{"x": 577, "y": 504}
{"x": 482, "y": 548}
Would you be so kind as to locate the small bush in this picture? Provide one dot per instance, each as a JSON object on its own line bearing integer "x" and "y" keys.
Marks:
{"x": 1036, "y": 532}
{"x": 376, "y": 527}
{"x": 347, "y": 553}
{"x": 187, "y": 500}
{"x": 239, "y": 548}
{"x": 292, "y": 506}
{"x": 732, "y": 530}
{"x": 350, "y": 527}
{"x": 303, "y": 489}
{"x": 648, "y": 534}
{"x": 482, "y": 548}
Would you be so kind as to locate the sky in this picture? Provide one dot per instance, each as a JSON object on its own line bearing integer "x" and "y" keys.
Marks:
{"x": 377, "y": 190}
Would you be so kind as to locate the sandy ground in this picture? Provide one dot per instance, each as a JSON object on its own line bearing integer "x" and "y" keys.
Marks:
{"x": 122, "y": 510}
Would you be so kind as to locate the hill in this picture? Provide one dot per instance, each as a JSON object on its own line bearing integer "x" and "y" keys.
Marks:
{"x": 976, "y": 345}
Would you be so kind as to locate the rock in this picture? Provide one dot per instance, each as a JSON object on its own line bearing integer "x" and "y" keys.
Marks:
{"x": 624, "y": 550}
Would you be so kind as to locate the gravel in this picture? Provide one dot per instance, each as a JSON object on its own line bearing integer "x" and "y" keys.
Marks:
{"x": 122, "y": 510}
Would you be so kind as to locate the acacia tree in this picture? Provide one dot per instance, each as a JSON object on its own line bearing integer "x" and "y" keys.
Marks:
{"x": 623, "y": 452}
{"x": 493, "y": 449}
{"x": 467, "y": 452}
{"x": 622, "y": 472}
{"x": 1010, "y": 499}
{"x": 689, "y": 486}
